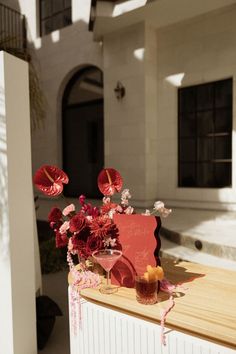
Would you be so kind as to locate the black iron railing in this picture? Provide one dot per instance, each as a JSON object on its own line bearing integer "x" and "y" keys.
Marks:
{"x": 12, "y": 31}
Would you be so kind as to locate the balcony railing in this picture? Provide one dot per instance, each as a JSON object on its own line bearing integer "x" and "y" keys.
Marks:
{"x": 12, "y": 31}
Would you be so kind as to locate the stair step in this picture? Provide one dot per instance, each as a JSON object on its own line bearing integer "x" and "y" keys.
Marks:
{"x": 172, "y": 250}
{"x": 198, "y": 243}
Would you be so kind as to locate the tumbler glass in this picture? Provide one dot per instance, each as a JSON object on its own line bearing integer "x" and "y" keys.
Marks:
{"x": 146, "y": 290}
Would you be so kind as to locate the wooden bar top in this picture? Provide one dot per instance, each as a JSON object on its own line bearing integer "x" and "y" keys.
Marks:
{"x": 205, "y": 306}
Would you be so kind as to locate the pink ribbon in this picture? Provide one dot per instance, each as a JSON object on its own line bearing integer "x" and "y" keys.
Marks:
{"x": 169, "y": 288}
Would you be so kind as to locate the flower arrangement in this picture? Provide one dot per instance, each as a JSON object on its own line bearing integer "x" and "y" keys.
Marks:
{"x": 89, "y": 228}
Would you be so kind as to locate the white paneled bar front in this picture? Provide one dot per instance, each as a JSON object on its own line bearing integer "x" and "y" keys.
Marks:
{"x": 201, "y": 322}
{"x": 107, "y": 331}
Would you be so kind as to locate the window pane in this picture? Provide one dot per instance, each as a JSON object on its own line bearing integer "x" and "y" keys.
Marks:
{"x": 58, "y": 21}
{"x": 46, "y": 8}
{"x": 187, "y": 125}
{"x": 205, "y": 123}
{"x": 223, "y": 121}
{"x": 187, "y": 177}
{"x": 57, "y": 5}
{"x": 67, "y": 17}
{"x": 205, "y": 174}
{"x": 223, "y": 174}
{"x": 205, "y": 133}
{"x": 223, "y": 147}
{"x": 205, "y": 97}
{"x": 205, "y": 149}
{"x": 46, "y": 26}
{"x": 187, "y": 100}
{"x": 187, "y": 150}
{"x": 67, "y": 3}
{"x": 223, "y": 93}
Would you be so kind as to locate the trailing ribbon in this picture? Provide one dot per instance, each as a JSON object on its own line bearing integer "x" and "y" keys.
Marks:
{"x": 169, "y": 288}
{"x": 81, "y": 280}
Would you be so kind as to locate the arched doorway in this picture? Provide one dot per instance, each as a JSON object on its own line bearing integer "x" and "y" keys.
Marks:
{"x": 83, "y": 132}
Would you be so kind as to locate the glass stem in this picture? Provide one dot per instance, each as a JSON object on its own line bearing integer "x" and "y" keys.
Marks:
{"x": 108, "y": 278}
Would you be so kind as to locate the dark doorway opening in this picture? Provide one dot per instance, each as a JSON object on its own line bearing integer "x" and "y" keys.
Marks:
{"x": 83, "y": 132}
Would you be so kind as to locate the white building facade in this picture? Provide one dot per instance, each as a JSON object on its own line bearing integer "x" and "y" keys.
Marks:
{"x": 154, "y": 49}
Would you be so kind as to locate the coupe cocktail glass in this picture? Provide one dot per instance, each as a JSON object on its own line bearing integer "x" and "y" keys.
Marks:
{"x": 107, "y": 258}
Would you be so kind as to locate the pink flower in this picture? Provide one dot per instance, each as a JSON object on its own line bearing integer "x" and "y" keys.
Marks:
{"x": 49, "y": 180}
{"x": 64, "y": 227}
{"x": 69, "y": 209}
{"x": 54, "y": 215}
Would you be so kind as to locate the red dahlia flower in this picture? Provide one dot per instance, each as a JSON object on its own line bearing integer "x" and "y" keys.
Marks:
{"x": 50, "y": 179}
{"x": 109, "y": 181}
{"x": 101, "y": 226}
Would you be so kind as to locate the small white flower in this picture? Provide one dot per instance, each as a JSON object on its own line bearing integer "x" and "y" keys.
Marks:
{"x": 147, "y": 212}
{"x": 158, "y": 205}
{"x": 129, "y": 210}
{"x": 166, "y": 212}
{"x": 106, "y": 200}
{"x": 111, "y": 213}
{"x": 109, "y": 242}
{"x": 124, "y": 202}
{"x": 125, "y": 194}
{"x": 113, "y": 242}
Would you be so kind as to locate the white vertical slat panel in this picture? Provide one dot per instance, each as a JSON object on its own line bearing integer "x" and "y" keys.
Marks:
{"x": 106, "y": 331}
{"x": 118, "y": 334}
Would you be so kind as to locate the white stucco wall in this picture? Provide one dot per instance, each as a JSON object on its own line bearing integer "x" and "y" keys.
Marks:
{"x": 125, "y": 118}
{"x": 204, "y": 50}
{"x": 17, "y": 258}
{"x": 141, "y": 129}
{"x": 57, "y": 57}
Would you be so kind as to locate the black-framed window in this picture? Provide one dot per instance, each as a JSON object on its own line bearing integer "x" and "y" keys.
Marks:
{"x": 54, "y": 14}
{"x": 205, "y": 135}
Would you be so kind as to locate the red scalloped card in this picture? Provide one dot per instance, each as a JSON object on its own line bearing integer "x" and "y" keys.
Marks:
{"x": 140, "y": 244}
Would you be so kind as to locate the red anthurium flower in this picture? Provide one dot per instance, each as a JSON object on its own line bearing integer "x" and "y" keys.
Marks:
{"x": 50, "y": 179}
{"x": 109, "y": 181}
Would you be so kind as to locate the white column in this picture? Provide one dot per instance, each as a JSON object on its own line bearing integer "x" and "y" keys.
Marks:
{"x": 17, "y": 269}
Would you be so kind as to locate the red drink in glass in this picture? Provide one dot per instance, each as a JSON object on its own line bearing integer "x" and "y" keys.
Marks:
{"x": 146, "y": 290}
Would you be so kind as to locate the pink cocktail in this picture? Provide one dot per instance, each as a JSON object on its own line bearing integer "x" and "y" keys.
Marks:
{"x": 107, "y": 258}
